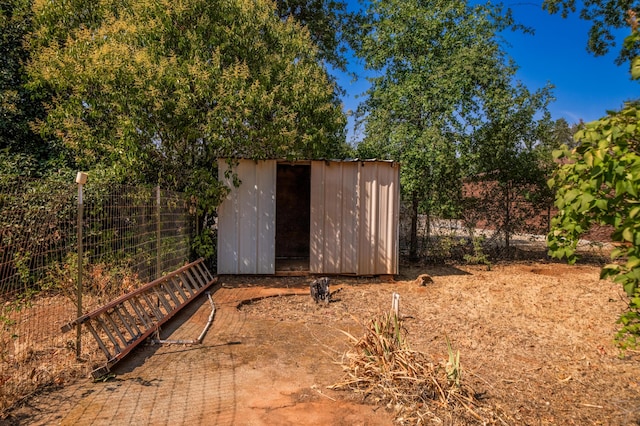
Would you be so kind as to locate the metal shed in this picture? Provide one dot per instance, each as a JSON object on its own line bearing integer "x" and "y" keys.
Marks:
{"x": 324, "y": 217}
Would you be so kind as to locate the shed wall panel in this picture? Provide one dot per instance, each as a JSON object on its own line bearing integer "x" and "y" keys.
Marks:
{"x": 246, "y": 224}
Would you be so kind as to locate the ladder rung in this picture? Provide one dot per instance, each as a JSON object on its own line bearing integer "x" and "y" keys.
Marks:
{"x": 171, "y": 293}
{"x": 155, "y": 310}
{"x": 116, "y": 329}
{"x": 191, "y": 280}
{"x": 197, "y": 278}
{"x": 98, "y": 340}
{"x": 205, "y": 273}
{"x": 140, "y": 312}
{"x": 183, "y": 283}
{"x": 106, "y": 330}
{"x": 127, "y": 321}
{"x": 163, "y": 301}
{"x": 179, "y": 287}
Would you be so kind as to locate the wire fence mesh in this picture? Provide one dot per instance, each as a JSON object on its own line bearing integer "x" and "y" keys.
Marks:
{"x": 129, "y": 236}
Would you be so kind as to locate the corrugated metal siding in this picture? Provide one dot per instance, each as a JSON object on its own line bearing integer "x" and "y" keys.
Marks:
{"x": 246, "y": 219}
{"x": 354, "y": 217}
{"x": 334, "y": 217}
{"x": 378, "y": 250}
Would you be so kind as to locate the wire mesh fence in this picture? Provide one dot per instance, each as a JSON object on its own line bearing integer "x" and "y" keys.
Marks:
{"x": 55, "y": 237}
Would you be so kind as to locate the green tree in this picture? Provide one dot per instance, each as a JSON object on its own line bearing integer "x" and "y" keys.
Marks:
{"x": 22, "y": 151}
{"x": 157, "y": 90}
{"x": 560, "y": 133}
{"x": 327, "y": 21}
{"x": 15, "y": 21}
{"x": 439, "y": 66}
{"x": 510, "y": 162}
{"x": 598, "y": 182}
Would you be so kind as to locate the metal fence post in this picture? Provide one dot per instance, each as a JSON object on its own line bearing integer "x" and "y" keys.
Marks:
{"x": 81, "y": 179}
{"x": 158, "y": 229}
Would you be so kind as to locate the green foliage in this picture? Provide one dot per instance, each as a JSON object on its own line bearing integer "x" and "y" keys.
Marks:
{"x": 511, "y": 160}
{"x": 21, "y": 262}
{"x": 34, "y": 216}
{"x": 559, "y": 133}
{"x": 599, "y": 179}
{"x": 628, "y": 337}
{"x": 444, "y": 248}
{"x": 599, "y": 183}
{"x": 15, "y": 23}
{"x": 22, "y": 151}
{"x": 205, "y": 244}
{"x": 155, "y": 90}
{"x": 327, "y": 22}
{"x": 478, "y": 256}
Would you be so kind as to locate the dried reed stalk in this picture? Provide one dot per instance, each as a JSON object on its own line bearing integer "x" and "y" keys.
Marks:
{"x": 382, "y": 367}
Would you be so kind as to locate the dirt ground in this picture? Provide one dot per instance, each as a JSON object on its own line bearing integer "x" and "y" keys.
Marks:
{"x": 535, "y": 342}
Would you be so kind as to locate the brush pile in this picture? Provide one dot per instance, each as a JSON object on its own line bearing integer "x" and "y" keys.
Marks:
{"x": 385, "y": 371}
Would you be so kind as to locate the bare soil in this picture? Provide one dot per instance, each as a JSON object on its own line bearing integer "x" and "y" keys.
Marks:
{"x": 536, "y": 339}
{"x": 536, "y": 345}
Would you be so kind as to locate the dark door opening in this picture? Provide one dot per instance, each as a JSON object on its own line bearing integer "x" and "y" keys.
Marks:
{"x": 293, "y": 216}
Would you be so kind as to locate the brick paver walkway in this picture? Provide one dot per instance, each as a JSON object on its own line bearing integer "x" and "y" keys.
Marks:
{"x": 171, "y": 384}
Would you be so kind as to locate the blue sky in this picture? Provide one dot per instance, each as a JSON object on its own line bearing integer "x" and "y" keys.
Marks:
{"x": 585, "y": 86}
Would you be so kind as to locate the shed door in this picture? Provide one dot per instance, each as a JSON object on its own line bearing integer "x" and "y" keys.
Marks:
{"x": 379, "y": 196}
{"x": 354, "y": 217}
{"x": 246, "y": 219}
{"x": 334, "y": 218}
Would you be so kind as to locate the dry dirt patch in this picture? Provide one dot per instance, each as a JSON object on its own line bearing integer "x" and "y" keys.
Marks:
{"x": 535, "y": 339}
{"x": 535, "y": 342}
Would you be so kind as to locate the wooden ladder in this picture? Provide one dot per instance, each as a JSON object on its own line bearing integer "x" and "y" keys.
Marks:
{"x": 122, "y": 324}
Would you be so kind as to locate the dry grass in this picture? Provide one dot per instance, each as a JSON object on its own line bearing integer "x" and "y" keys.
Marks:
{"x": 535, "y": 338}
{"x": 383, "y": 368}
{"x": 35, "y": 354}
